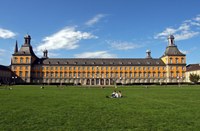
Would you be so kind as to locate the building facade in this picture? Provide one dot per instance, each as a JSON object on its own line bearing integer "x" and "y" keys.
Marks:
{"x": 192, "y": 69}
{"x": 169, "y": 68}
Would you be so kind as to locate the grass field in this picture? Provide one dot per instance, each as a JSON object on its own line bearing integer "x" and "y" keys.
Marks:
{"x": 87, "y": 109}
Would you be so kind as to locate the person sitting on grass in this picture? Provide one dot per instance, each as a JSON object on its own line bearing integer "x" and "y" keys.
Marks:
{"x": 113, "y": 95}
{"x": 119, "y": 94}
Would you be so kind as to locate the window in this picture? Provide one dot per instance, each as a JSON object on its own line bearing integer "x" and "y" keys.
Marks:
{"x": 21, "y": 60}
{"x": 20, "y": 73}
{"x": 27, "y": 60}
{"x": 135, "y": 74}
{"x": 102, "y": 75}
{"x": 170, "y": 60}
{"x": 15, "y": 60}
{"x": 61, "y": 68}
{"x": 26, "y": 67}
{"x": 93, "y": 75}
{"x": 164, "y": 74}
{"x": 149, "y": 75}
{"x": 182, "y": 60}
{"x": 140, "y": 74}
{"x": 70, "y": 74}
{"x": 51, "y": 74}
{"x": 154, "y": 74}
{"x": 14, "y": 67}
{"x": 176, "y": 60}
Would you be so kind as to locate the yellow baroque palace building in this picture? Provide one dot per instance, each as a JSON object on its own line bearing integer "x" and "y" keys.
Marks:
{"x": 28, "y": 68}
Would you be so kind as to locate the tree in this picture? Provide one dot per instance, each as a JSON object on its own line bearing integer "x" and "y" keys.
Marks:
{"x": 194, "y": 78}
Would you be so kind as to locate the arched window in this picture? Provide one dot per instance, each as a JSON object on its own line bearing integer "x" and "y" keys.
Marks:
{"x": 15, "y": 60}
{"x": 182, "y": 60}
{"x": 176, "y": 60}
{"x": 21, "y": 60}
{"x": 170, "y": 60}
{"x": 27, "y": 60}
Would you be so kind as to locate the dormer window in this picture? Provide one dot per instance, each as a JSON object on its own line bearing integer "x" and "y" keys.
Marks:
{"x": 157, "y": 63}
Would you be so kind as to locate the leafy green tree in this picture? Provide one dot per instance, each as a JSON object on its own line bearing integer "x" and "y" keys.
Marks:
{"x": 194, "y": 78}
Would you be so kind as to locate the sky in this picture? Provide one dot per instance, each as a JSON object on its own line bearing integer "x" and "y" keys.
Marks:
{"x": 100, "y": 28}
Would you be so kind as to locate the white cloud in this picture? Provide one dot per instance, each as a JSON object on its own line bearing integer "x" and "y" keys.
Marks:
{"x": 95, "y": 19}
{"x": 189, "y": 51}
{"x": 185, "y": 35}
{"x": 97, "y": 54}
{"x": 5, "y": 34}
{"x": 123, "y": 45}
{"x": 188, "y": 29}
{"x": 2, "y": 52}
{"x": 67, "y": 38}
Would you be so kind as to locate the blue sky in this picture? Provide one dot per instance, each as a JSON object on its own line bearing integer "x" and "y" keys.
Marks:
{"x": 100, "y": 28}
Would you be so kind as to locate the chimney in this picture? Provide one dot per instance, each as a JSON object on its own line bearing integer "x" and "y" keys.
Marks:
{"x": 45, "y": 54}
{"x": 148, "y": 54}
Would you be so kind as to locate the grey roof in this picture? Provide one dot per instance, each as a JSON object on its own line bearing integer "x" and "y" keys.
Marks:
{"x": 101, "y": 62}
{"x": 173, "y": 51}
{"x": 193, "y": 67}
{"x": 25, "y": 50}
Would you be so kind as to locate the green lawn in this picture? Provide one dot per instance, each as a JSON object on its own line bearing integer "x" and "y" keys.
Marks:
{"x": 80, "y": 108}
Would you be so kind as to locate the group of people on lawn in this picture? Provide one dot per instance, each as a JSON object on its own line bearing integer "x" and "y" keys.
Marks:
{"x": 116, "y": 94}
